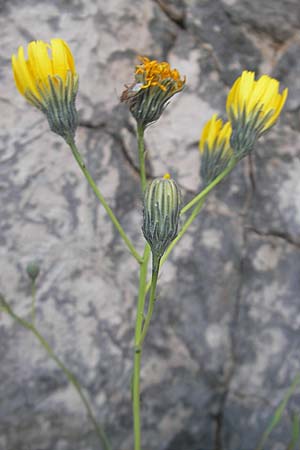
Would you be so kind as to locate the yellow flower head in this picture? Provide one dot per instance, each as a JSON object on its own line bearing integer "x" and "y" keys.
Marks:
{"x": 253, "y": 106}
{"x": 33, "y": 74}
{"x": 48, "y": 80}
{"x": 215, "y": 148}
{"x": 153, "y": 73}
{"x": 155, "y": 83}
{"x": 215, "y": 135}
{"x": 253, "y": 96}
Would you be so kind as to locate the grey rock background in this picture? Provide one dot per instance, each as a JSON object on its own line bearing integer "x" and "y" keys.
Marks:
{"x": 225, "y": 342}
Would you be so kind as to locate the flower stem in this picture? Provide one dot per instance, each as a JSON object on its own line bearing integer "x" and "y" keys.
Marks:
{"x": 208, "y": 188}
{"x": 100, "y": 197}
{"x": 72, "y": 379}
{"x": 138, "y": 350}
{"x": 33, "y": 301}
{"x": 141, "y": 151}
{"x": 140, "y": 308}
{"x": 155, "y": 271}
{"x": 183, "y": 229}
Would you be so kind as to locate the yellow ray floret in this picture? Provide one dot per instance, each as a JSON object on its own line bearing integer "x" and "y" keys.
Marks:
{"x": 154, "y": 73}
{"x": 215, "y": 135}
{"x": 44, "y": 60}
{"x": 250, "y": 96}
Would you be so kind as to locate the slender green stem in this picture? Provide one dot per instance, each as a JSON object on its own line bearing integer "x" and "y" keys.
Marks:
{"x": 138, "y": 350}
{"x": 100, "y": 197}
{"x": 183, "y": 229}
{"x": 98, "y": 429}
{"x": 155, "y": 271}
{"x": 141, "y": 151}
{"x": 208, "y": 188}
{"x": 33, "y": 301}
{"x": 140, "y": 308}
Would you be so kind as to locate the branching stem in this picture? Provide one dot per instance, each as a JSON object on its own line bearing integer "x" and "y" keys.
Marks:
{"x": 102, "y": 200}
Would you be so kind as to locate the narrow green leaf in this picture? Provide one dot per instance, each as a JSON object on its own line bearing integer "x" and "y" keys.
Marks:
{"x": 278, "y": 413}
{"x": 295, "y": 433}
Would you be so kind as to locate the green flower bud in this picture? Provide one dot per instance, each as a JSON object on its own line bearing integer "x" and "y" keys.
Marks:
{"x": 161, "y": 214}
{"x": 33, "y": 270}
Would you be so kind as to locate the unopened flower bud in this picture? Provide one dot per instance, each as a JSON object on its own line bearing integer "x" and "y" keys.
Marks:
{"x": 161, "y": 214}
{"x": 33, "y": 270}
